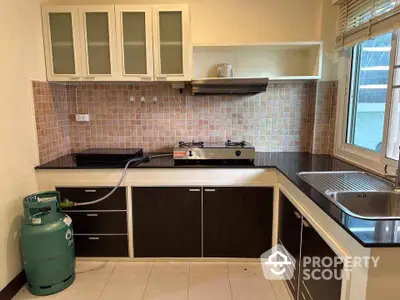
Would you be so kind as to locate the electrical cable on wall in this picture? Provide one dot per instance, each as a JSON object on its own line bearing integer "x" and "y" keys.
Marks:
{"x": 76, "y": 97}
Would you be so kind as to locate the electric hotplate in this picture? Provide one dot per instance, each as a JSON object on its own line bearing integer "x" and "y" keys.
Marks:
{"x": 116, "y": 157}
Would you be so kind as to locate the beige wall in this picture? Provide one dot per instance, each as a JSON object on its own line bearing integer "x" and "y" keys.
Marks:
{"x": 21, "y": 58}
{"x": 241, "y": 21}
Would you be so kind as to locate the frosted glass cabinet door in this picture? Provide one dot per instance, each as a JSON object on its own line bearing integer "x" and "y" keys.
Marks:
{"x": 98, "y": 24}
{"x": 60, "y": 37}
{"x": 134, "y": 31}
{"x": 172, "y": 42}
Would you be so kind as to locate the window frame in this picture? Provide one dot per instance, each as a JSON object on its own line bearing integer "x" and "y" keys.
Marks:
{"x": 374, "y": 161}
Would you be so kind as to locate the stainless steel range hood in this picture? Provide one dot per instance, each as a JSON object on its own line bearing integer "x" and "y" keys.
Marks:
{"x": 231, "y": 86}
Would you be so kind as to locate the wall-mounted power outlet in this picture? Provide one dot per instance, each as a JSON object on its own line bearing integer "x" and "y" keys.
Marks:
{"x": 82, "y": 117}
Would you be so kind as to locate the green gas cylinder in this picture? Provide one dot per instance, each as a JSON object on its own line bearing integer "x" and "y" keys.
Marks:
{"x": 47, "y": 244}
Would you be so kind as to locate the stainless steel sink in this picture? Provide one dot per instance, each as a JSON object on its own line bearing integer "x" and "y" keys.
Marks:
{"x": 345, "y": 181}
{"x": 368, "y": 205}
{"x": 358, "y": 194}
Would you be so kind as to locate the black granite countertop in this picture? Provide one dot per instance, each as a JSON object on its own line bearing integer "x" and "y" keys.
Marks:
{"x": 368, "y": 233}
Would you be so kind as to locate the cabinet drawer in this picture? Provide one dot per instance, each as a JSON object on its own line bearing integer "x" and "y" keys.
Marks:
{"x": 116, "y": 201}
{"x": 101, "y": 245}
{"x": 99, "y": 222}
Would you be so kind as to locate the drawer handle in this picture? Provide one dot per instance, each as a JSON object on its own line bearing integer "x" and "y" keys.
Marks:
{"x": 74, "y": 78}
{"x": 145, "y": 78}
{"x": 209, "y": 190}
{"x": 298, "y": 215}
{"x": 92, "y": 215}
{"x": 94, "y": 238}
{"x": 194, "y": 190}
{"x": 306, "y": 224}
{"x": 90, "y": 77}
{"x": 90, "y": 191}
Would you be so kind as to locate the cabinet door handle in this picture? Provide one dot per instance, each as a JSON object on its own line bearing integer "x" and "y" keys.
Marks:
{"x": 194, "y": 190}
{"x": 90, "y": 191}
{"x": 298, "y": 215}
{"x": 161, "y": 77}
{"x": 89, "y": 77}
{"x": 209, "y": 190}
{"x": 74, "y": 78}
{"x": 306, "y": 224}
{"x": 146, "y": 78}
{"x": 92, "y": 215}
{"x": 94, "y": 238}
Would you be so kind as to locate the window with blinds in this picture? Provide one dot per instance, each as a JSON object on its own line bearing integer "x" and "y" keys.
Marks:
{"x": 360, "y": 20}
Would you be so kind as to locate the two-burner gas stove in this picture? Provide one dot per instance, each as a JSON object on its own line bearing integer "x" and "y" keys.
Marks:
{"x": 227, "y": 153}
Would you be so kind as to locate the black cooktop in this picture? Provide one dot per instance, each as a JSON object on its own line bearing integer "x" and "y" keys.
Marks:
{"x": 107, "y": 156}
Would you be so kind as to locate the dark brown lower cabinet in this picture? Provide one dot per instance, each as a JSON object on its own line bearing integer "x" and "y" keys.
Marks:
{"x": 166, "y": 221}
{"x": 301, "y": 240}
{"x": 237, "y": 221}
{"x": 289, "y": 236}
{"x": 101, "y": 229}
{"x": 318, "y": 289}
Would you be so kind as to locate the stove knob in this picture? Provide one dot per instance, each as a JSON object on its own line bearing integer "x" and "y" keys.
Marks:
{"x": 238, "y": 153}
{"x": 190, "y": 153}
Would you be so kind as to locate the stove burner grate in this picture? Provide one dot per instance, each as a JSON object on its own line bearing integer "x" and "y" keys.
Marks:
{"x": 192, "y": 144}
{"x": 229, "y": 143}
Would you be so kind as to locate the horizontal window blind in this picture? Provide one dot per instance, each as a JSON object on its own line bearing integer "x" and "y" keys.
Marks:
{"x": 360, "y": 20}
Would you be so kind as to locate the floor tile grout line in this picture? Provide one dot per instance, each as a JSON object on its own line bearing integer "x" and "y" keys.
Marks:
{"x": 229, "y": 280}
{"x": 273, "y": 289}
{"x": 188, "y": 282}
{"x": 148, "y": 280}
{"x": 108, "y": 279}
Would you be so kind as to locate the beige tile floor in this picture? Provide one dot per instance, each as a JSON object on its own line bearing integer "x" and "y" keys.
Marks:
{"x": 168, "y": 281}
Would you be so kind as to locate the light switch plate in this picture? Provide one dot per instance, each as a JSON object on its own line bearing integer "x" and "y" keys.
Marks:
{"x": 82, "y": 117}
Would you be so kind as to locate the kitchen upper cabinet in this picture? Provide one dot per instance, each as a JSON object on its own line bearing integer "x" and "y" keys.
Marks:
{"x": 117, "y": 42}
{"x": 62, "y": 43}
{"x": 171, "y": 35}
{"x": 80, "y": 43}
{"x": 237, "y": 221}
{"x": 134, "y": 41}
{"x": 97, "y": 25}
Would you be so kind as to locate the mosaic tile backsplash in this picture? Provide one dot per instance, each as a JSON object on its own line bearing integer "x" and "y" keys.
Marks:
{"x": 287, "y": 117}
{"x": 52, "y": 122}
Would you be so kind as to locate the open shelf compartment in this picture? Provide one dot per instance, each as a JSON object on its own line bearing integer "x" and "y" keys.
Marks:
{"x": 278, "y": 61}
